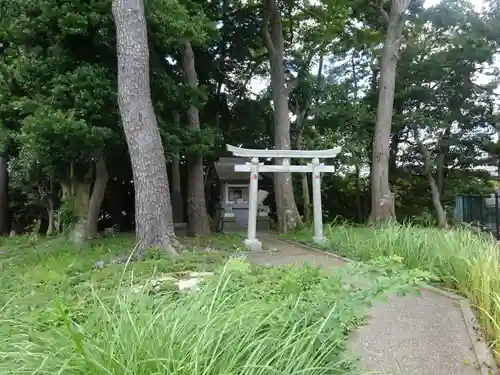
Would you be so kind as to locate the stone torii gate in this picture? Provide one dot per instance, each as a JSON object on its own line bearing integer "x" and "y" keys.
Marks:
{"x": 254, "y": 167}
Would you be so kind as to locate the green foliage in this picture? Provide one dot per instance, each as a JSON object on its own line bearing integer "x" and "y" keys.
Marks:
{"x": 183, "y": 20}
{"x": 246, "y": 319}
{"x": 39, "y": 271}
{"x": 53, "y": 140}
{"x": 200, "y": 141}
{"x": 461, "y": 260}
{"x": 67, "y": 212}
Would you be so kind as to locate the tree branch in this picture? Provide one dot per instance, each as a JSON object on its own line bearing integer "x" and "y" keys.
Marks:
{"x": 266, "y": 35}
{"x": 248, "y": 77}
{"x": 291, "y": 85}
{"x": 384, "y": 14}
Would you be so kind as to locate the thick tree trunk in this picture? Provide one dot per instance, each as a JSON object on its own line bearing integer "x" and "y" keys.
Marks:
{"x": 77, "y": 192}
{"x": 153, "y": 210}
{"x": 4, "y": 197}
{"x": 100, "y": 182}
{"x": 272, "y": 30}
{"x": 198, "y": 223}
{"x": 382, "y": 197}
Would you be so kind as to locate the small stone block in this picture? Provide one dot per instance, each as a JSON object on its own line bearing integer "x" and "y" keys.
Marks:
{"x": 253, "y": 245}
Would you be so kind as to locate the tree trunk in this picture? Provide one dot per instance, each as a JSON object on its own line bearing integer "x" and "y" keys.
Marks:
{"x": 198, "y": 223}
{"x": 444, "y": 146}
{"x": 153, "y": 210}
{"x": 51, "y": 228}
{"x": 77, "y": 192}
{"x": 100, "y": 182}
{"x": 51, "y": 211}
{"x": 177, "y": 198}
{"x": 436, "y": 196}
{"x": 436, "y": 201}
{"x": 272, "y": 30}
{"x": 4, "y": 197}
{"x": 382, "y": 197}
{"x": 306, "y": 198}
{"x": 359, "y": 203}
{"x": 300, "y": 121}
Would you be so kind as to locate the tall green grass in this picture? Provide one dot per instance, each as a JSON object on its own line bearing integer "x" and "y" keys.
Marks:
{"x": 463, "y": 261}
{"x": 247, "y": 320}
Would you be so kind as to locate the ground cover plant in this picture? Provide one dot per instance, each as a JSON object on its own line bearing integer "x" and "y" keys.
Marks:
{"x": 460, "y": 260}
{"x": 59, "y": 315}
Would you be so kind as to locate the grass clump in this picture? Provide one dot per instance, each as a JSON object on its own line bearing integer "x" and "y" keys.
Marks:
{"x": 245, "y": 320}
{"x": 36, "y": 274}
{"x": 461, "y": 260}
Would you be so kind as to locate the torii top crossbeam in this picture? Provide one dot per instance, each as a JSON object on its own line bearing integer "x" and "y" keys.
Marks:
{"x": 300, "y": 154}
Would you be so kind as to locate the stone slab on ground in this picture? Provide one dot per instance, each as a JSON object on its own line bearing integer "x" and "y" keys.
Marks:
{"x": 411, "y": 335}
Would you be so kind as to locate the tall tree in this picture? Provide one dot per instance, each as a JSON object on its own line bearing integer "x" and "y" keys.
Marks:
{"x": 177, "y": 196}
{"x": 198, "y": 223}
{"x": 100, "y": 182}
{"x": 382, "y": 198}
{"x": 4, "y": 196}
{"x": 272, "y": 32}
{"x": 153, "y": 210}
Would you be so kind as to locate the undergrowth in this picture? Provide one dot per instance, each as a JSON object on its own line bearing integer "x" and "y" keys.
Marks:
{"x": 61, "y": 317}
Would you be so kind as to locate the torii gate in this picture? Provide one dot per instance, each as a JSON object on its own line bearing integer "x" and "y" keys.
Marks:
{"x": 254, "y": 167}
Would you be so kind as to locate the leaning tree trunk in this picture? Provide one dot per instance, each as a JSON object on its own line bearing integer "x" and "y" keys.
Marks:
{"x": 272, "y": 32}
{"x": 198, "y": 223}
{"x": 4, "y": 197}
{"x": 100, "y": 182}
{"x": 153, "y": 210}
{"x": 382, "y": 197}
{"x": 436, "y": 201}
{"x": 435, "y": 193}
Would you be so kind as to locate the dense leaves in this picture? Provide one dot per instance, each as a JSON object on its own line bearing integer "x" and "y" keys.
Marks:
{"x": 58, "y": 107}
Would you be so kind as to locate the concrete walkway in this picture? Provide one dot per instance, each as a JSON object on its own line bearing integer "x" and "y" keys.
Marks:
{"x": 431, "y": 334}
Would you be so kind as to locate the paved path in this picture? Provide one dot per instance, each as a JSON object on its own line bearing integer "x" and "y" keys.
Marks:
{"x": 410, "y": 335}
